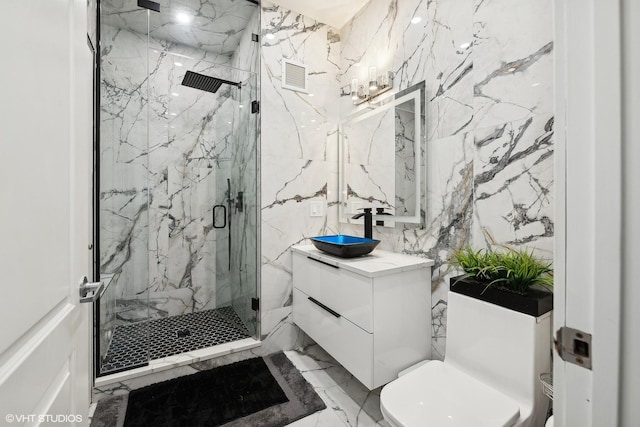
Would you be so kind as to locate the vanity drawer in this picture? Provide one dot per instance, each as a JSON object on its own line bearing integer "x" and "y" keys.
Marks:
{"x": 343, "y": 340}
{"x": 347, "y": 293}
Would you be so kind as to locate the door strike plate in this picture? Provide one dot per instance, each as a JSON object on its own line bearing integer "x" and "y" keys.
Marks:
{"x": 574, "y": 346}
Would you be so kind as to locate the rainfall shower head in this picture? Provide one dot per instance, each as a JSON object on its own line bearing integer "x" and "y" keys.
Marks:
{"x": 206, "y": 83}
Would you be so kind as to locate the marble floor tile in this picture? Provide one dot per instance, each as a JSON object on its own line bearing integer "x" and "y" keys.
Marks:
{"x": 348, "y": 402}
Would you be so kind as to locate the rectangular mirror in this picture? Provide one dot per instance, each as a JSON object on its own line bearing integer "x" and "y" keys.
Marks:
{"x": 382, "y": 159}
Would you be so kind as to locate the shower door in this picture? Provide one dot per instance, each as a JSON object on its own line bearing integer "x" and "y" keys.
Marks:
{"x": 121, "y": 316}
{"x": 202, "y": 169}
{"x": 178, "y": 184}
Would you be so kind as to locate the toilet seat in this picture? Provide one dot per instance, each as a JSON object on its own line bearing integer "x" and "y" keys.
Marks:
{"x": 438, "y": 395}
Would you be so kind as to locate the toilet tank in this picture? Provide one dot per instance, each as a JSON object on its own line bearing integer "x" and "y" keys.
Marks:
{"x": 503, "y": 348}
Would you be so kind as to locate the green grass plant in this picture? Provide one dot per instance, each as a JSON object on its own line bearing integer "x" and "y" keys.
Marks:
{"x": 514, "y": 270}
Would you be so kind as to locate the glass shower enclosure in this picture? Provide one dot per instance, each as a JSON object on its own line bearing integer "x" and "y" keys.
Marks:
{"x": 177, "y": 165}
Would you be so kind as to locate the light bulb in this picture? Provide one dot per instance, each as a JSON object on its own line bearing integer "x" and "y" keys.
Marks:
{"x": 354, "y": 89}
{"x": 373, "y": 79}
{"x": 183, "y": 18}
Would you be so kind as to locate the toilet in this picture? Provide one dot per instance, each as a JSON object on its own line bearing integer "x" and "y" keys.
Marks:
{"x": 489, "y": 376}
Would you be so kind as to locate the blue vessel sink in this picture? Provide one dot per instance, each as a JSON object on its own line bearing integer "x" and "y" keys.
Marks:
{"x": 344, "y": 246}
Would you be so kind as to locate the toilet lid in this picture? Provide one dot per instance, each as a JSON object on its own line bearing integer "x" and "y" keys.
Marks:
{"x": 436, "y": 394}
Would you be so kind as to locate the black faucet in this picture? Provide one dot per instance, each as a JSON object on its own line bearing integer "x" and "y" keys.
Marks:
{"x": 368, "y": 222}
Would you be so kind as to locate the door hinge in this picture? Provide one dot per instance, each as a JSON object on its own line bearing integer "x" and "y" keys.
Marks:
{"x": 255, "y": 107}
{"x": 574, "y": 346}
{"x": 255, "y": 37}
{"x": 255, "y": 304}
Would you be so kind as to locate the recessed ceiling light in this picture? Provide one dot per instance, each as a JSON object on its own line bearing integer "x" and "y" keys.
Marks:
{"x": 270, "y": 36}
{"x": 416, "y": 19}
{"x": 178, "y": 64}
{"x": 183, "y": 18}
{"x": 464, "y": 46}
{"x": 175, "y": 94}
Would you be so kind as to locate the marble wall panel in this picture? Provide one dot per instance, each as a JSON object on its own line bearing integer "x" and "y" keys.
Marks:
{"x": 512, "y": 61}
{"x": 455, "y": 48}
{"x": 298, "y": 156}
{"x": 513, "y": 185}
{"x": 488, "y": 73}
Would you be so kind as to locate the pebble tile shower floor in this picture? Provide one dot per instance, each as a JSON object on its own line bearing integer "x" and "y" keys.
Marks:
{"x": 134, "y": 345}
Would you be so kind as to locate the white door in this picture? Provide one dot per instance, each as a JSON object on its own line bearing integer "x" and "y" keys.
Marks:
{"x": 45, "y": 179}
{"x": 597, "y": 109}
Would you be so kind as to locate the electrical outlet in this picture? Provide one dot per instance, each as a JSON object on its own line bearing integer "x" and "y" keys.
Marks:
{"x": 316, "y": 208}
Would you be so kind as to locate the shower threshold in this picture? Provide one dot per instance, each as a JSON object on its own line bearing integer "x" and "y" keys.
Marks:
{"x": 133, "y": 346}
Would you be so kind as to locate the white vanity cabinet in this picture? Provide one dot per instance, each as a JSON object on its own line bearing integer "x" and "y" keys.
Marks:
{"x": 371, "y": 313}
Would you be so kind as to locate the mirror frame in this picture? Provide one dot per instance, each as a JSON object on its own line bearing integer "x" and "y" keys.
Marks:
{"x": 417, "y": 93}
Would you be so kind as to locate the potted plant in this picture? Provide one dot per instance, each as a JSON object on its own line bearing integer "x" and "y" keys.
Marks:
{"x": 513, "y": 279}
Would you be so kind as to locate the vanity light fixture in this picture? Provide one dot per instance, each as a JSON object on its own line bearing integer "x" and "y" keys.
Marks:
{"x": 378, "y": 84}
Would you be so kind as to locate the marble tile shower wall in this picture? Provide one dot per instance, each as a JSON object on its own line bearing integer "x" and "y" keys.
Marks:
{"x": 487, "y": 65}
{"x": 165, "y": 246}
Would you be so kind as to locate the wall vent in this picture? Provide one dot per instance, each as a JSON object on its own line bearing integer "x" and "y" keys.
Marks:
{"x": 294, "y": 76}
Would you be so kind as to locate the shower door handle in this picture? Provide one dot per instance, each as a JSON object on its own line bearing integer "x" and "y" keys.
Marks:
{"x": 224, "y": 216}
{"x": 86, "y": 287}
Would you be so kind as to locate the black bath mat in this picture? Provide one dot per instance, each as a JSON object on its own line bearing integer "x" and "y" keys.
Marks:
{"x": 209, "y": 398}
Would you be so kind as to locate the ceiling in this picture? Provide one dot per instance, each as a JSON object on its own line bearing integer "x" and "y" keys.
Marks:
{"x": 212, "y": 25}
{"x": 332, "y": 12}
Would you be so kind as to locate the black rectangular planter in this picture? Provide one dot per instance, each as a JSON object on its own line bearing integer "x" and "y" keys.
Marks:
{"x": 534, "y": 303}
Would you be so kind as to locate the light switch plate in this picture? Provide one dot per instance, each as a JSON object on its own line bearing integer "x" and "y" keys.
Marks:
{"x": 316, "y": 208}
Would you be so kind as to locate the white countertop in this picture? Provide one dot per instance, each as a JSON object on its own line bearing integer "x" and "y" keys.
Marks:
{"x": 377, "y": 263}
